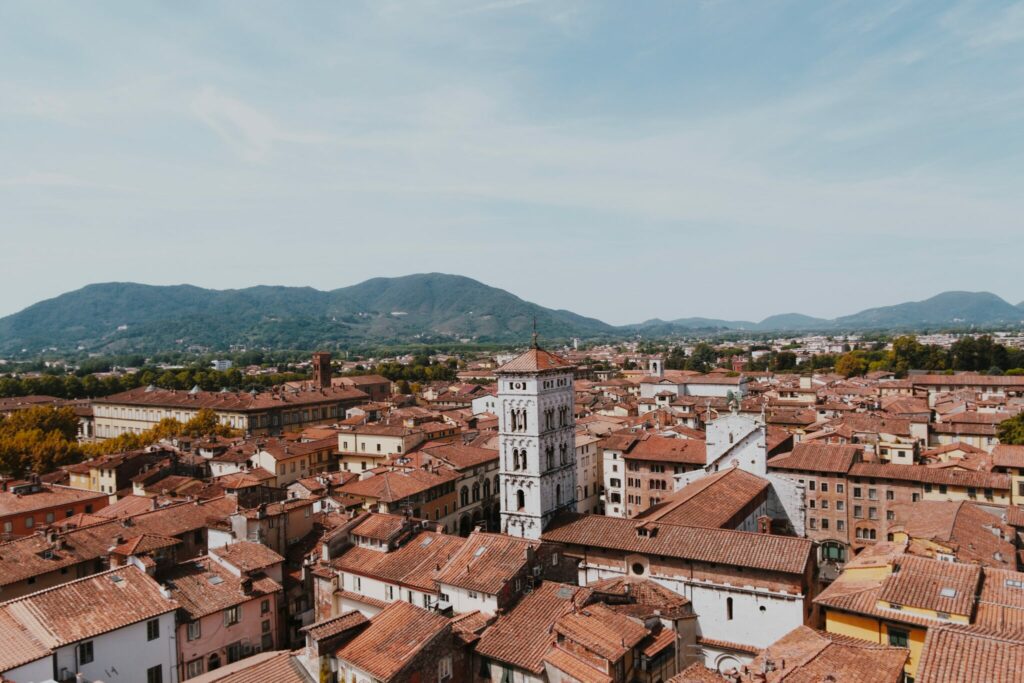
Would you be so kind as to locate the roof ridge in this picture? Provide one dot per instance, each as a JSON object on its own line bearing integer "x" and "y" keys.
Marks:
{"x": 66, "y": 583}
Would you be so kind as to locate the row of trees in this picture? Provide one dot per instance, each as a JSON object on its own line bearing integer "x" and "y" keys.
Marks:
{"x": 970, "y": 354}
{"x": 93, "y": 386}
{"x": 42, "y": 438}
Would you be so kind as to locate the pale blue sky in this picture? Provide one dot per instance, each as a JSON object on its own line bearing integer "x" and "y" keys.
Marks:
{"x": 625, "y": 160}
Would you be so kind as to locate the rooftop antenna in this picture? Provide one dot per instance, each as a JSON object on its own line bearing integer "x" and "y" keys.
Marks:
{"x": 533, "y": 341}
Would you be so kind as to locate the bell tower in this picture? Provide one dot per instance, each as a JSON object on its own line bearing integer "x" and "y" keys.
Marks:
{"x": 536, "y": 441}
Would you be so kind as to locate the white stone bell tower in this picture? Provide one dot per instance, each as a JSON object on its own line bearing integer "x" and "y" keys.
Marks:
{"x": 536, "y": 442}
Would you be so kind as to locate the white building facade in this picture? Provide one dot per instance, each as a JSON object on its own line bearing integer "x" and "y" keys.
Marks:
{"x": 536, "y": 442}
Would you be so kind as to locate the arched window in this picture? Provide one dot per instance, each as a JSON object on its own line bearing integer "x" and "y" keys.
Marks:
{"x": 515, "y": 458}
{"x": 728, "y": 609}
{"x": 464, "y": 496}
{"x": 496, "y": 487}
{"x": 214, "y": 662}
{"x": 551, "y": 457}
{"x": 522, "y": 419}
{"x": 476, "y": 491}
{"x": 520, "y": 499}
{"x": 558, "y": 494}
{"x": 487, "y": 488}
{"x": 563, "y": 454}
{"x": 513, "y": 420}
{"x": 563, "y": 416}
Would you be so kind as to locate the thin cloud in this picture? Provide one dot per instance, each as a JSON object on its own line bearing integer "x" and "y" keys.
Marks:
{"x": 251, "y": 133}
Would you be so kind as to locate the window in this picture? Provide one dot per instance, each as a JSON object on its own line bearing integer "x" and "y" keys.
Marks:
{"x": 444, "y": 669}
{"x": 840, "y": 525}
{"x": 85, "y": 652}
{"x": 897, "y": 638}
{"x": 265, "y": 626}
{"x": 858, "y": 511}
{"x": 194, "y": 630}
{"x": 812, "y": 523}
{"x": 873, "y": 494}
{"x": 810, "y": 485}
{"x": 824, "y": 487}
{"x": 232, "y": 615}
{"x": 29, "y": 522}
{"x": 728, "y": 609}
{"x": 942, "y": 488}
{"x": 152, "y": 629}
{"x": 890, "y": 515}
{"x": 824, "y": 505}
{"x": 194, "y": 668}
{"x": 265, "y": 606}
{"x": 872, "y": 513}
{"x": 856, "y": 492}
{"x": 840, "y": 488}
{"x": 824, "y": 524}
{"x": 890, "y": 495}
{"x": 155, "y": 674}
{"x": 840, "y": 505}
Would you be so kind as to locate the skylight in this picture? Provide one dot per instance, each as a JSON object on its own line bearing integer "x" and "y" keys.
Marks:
{"x": 948, "y": 592}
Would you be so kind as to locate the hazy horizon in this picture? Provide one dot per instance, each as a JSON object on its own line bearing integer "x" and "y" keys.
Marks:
{"x": 711, "y": 159}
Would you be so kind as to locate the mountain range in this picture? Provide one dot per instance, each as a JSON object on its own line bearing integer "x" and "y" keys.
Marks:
{"x": 430, "y": 308}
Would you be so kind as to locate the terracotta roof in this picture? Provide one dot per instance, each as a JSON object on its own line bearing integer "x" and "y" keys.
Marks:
{"x": 462, "y": 457}
{"x": 247, "y": 556}
{"x": 485, "y": 562}
{"x": 665, "y": 449}
{"x": 933, "y": 585}
{"x": 696, "y": 673}
{"x": 974, "y": 534}
{"x": 228, "y": 401}
{"x": 392, "y": 486}
{"x": 49, "y": 496}
{"x": 806, "y": 655}
{"x": 1005, "y": 455}
{"x": 1001, "y": 600}
{"x": 279, "y": 667}
{"x": 576, "y": 668}
{"x": 392, "y": 640}
{"x": 413, "y": 564}
{"x": 969, "y": 653}
{"x": 145, "y": 543}
{"x": 930, "y": 475}
{"x": 711, "y": 501}
{"x": 335, "y": 625}
{"x": 640, "y": 596}
{"x": 721, "y": 546}
{"x": 967, "y": 379}
{"x": 78, "y": 610}
{"x": 601, "y": 630}
{"x": 535, "y": 360}
{"x": 203, "y": 587}
{"x": 818, "y": 457}
{"x": 381, "y": 527}
{"x": 524, "y": 635}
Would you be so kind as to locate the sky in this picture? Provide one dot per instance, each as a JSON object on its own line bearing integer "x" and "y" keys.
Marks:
{"x": 624, "y": 160}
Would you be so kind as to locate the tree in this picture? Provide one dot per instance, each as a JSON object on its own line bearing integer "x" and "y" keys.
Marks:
{"x": 1012, "y": 431}
{"x": 702, "y": 358}
{"x": 852, "y": 364}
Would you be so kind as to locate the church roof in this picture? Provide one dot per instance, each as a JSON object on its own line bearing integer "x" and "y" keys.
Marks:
{"x": 535, "y": 359}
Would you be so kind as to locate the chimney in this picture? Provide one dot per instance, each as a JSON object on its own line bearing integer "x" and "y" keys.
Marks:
{"x": 247, "y": 585}
{"x": 764, "y": 524}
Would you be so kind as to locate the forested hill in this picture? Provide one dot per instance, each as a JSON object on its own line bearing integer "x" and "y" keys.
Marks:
{"x": 123, "y": 317}
{"x": 120, "y": 317}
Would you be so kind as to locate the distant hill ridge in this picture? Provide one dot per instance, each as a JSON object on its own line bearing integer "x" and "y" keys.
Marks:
{"x": 433, "y": 307}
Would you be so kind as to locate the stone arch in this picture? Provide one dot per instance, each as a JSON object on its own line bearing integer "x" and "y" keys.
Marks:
{"x": 465, "y": 525}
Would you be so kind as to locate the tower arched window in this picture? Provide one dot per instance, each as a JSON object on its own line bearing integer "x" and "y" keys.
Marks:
{"x": 464, "y": 496}
{"x": 476, "y": 491}
{"x": 515, "y": 458}
{"x": 563, "y": 454}
{"x": 522, "y": 419}
{"x": 520, "y": 500}
{"x": 563, "y": 416}
{"x": 558, "y": 494}
{"x": 550, "y": 452}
